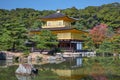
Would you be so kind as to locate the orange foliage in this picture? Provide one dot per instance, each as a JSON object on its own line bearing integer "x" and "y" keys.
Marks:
{"x": 98, "y": 33}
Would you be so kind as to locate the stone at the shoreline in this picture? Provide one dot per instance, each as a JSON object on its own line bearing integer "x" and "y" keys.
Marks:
{"x": 24, "y": 69}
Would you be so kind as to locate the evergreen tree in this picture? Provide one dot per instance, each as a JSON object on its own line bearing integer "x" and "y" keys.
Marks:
{"x": 45, "y": 40}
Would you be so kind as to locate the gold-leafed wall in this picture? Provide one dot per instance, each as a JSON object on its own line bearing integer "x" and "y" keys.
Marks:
{"x": 64, "y": 35}
{"x": 76, "y": 36}
{"x": 56, "y": 24}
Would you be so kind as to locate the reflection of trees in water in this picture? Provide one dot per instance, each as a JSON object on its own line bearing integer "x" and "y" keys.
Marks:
{"x": 22, "y": 77}
{"x": 2, "y": 62}
{"x": 6, "y": 62}
{"x": 2, "y": 56}
{"x": 98, "y": 72}
{"x": 97, "y": 69}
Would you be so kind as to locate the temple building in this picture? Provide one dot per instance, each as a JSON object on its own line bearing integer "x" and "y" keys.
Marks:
{"x": 70, "y": 39}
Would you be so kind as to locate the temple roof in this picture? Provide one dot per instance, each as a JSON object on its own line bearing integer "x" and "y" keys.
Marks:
{"x": 55, "y": 15}
{"x": 52, "y": 29}
{"x": 58, "y": 29}
{"x": 59, "y": 16}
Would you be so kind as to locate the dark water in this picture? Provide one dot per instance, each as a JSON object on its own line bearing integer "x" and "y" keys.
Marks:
{"x": 72, "y": 69}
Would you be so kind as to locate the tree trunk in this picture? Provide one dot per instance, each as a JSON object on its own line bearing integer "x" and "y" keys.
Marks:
{"x": 103, "y": 54}
{"x": 116, "y": 56}
{"x": 13, "y": 47}
{"x": 41, "y": 51}
{"x": 32, "y": 49}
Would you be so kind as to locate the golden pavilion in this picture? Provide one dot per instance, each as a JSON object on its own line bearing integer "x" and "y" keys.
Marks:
{"x": 70, "y": 39}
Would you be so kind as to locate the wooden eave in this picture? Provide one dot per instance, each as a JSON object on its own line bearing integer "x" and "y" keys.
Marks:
{"x": 65, "y": 18}
{"x": 72, "y": 30}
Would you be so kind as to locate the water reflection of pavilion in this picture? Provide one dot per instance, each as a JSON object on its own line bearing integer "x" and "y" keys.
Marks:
{"x": 70, "y": 74}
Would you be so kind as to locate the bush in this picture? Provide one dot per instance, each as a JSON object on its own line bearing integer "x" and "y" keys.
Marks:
{"x": 54, "y": 51}
{"x": 16, "y": 59}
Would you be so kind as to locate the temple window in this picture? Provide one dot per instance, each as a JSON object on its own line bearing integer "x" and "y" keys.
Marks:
{"x": 59, "y": 23}
{"x": 49, "y": 23}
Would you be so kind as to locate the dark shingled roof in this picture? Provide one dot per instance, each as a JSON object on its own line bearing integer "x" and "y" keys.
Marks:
{"x": 55, "y": 15}
{"x": 56, "y": 29}
{"x": 52, "y": 29}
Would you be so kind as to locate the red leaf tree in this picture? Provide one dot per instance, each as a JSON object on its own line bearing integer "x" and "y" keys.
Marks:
{"x": 98, "y": 33}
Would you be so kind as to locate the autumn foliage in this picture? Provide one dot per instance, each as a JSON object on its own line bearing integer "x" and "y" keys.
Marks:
{"x": 98, "y": 33}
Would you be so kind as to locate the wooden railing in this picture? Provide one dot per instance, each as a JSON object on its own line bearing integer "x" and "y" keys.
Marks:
{"x": 67, "y": 49}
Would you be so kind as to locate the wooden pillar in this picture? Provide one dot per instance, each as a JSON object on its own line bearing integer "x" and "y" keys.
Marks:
{"x": 70, "y": 45}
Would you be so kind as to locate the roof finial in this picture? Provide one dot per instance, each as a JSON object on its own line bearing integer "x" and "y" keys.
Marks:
{"x": 58, "y": 11}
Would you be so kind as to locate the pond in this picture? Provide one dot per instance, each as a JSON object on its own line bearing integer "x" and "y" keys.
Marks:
{"x": 71, "y": 69}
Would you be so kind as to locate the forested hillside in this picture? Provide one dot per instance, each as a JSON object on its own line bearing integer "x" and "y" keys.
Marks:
{"x": 88, "y": 17}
